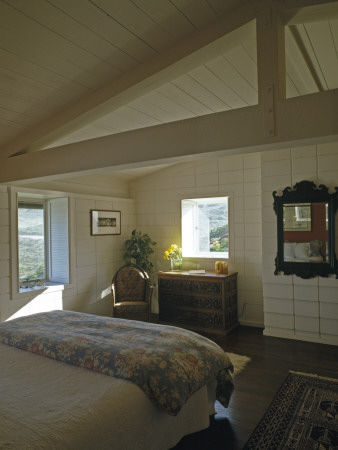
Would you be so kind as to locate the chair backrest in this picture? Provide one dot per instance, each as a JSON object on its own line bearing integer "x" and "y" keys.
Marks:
{"x": 131, "y": 284}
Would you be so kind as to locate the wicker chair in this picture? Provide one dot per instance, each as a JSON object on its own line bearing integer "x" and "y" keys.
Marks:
{"x": 132, "y": 291}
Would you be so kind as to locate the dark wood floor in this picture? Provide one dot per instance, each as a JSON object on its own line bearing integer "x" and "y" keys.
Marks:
{"x": 257, "y": 384}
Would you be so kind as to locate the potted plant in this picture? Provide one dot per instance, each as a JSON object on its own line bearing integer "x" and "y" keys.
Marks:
{"x": 139, "y": 248}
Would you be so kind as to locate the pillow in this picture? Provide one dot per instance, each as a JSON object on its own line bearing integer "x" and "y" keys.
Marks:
{"x": 315, "y": 247}
{"x": 302, "y": 250}
{"x": 289, "y": 250}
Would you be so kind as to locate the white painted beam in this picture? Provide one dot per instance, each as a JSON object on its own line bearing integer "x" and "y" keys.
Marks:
{"x": 311, "y": 118}
{"x": 223, "y": 34}
{"x": 176, "y": 140}
{"x": 305, "y": 11}
{"x": 227, "y": 31}
{"x": 270, "y": 66}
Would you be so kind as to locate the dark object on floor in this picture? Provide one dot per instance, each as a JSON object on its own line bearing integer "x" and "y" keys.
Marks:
{"x": 303, "y": 415}
{"x": 271, "y": 360}
{"x": 218, "y": 436}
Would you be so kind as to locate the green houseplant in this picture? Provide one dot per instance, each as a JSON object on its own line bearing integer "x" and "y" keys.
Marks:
{"x": 139, "y": 247}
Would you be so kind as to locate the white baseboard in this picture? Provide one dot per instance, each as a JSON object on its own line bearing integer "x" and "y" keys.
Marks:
{"x": 301, "y": 337}
{"x": 251, "y": 323}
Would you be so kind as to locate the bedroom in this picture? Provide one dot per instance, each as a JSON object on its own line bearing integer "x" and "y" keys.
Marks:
{"x": 145, "y": 186}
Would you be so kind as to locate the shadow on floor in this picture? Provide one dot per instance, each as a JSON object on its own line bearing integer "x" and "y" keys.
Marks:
{"x": 219, "y": 436}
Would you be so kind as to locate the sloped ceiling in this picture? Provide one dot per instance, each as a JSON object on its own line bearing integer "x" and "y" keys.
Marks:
{"x": 57, "y": 53}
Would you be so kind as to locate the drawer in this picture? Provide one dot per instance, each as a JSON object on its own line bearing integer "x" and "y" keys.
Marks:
{"x": 230, "y": 316}
{"x": 231, "y": 298}
{"x": 192, "y": 318}
{"x": 201, "y": 303}
{"x": 191, "y": 301}
{"x": 202, "y": 287}
{"x": 230, "y": 284}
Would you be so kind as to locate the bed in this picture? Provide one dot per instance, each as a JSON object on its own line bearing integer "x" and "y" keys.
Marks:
{"x": 303, "y": 251}
{"x": 58, "y": 390}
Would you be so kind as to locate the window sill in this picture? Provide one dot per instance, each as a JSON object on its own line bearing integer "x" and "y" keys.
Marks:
{"x": 48, "y": 286}
{"x": 209, "y": 256}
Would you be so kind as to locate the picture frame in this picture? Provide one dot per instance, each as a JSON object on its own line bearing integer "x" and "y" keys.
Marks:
{"x": 105, "y": 223}
{"x": 297, "y": 217}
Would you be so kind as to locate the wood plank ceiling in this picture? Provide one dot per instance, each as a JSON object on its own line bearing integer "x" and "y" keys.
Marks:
{"x": 53, "y": 53}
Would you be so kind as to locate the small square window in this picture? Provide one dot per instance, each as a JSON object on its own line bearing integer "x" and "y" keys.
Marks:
{"x": 205, "y": 227}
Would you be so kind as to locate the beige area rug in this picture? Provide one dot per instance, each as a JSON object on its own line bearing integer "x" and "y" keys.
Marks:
{"x": 238, "y": 361}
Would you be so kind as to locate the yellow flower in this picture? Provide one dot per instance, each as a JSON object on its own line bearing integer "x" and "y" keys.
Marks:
{"x": 173, "y": 252}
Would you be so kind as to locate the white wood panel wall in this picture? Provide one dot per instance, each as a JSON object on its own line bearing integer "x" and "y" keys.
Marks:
{"x": 94, "y": 260}
{"x": 158, "y": 202}
{"x": 293, "y": 307}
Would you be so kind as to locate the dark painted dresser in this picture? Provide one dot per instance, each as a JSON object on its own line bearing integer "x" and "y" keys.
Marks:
{"x": 200, "y": 302}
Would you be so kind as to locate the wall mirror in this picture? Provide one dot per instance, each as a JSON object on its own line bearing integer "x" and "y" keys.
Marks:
{"x": 306, "y": 230}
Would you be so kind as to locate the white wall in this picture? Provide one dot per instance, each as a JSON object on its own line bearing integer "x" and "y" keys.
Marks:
{"x": 101, "y": 184}
{"x": 158, "y": 213}
{"x": 94, "y": 260}
{"x": 294, "y": 307}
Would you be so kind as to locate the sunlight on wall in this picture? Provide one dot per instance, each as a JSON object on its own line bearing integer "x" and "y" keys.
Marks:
{"x": 49, "y": 300}
{"x": 106, "y": 292}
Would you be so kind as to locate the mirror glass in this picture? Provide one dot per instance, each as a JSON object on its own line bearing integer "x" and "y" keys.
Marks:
{"x": 305, "y": 232}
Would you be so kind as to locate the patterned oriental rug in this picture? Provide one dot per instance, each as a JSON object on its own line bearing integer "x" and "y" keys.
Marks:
{"x": 302, "y": 416}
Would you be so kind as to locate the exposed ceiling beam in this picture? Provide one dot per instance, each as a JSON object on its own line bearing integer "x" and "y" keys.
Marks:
{"x": 302, "y": 48}
{"x": 175, "y": 140}
{"x": 225, "y": 33}
{"x": 305, "y": 11}
{"x": 310, "y": 118}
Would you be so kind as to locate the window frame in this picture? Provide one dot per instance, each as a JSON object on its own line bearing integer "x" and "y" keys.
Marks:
{"x": 37, "y": 196}
{"x": 29, "y": 201}
{"x": 212, "y": 255}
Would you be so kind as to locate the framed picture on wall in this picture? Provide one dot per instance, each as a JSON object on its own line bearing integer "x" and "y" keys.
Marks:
{"x": 105, "y": 222}
{"x": 297, "y": 217}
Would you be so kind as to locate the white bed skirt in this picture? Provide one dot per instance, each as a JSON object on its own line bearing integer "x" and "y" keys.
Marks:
{"x": 47, "y": 404}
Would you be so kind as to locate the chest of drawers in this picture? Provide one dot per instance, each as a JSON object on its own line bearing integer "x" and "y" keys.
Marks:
{"x": 200, "y": 302}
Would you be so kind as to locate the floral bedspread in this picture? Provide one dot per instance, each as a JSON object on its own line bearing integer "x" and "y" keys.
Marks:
{"x": 168, "y": 363}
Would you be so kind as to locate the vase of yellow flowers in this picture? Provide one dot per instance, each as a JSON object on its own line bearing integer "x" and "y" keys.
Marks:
{"x": 174, "y": 255}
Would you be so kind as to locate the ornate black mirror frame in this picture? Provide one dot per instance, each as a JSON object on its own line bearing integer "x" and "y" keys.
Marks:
{"x": 306, "y": 192}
